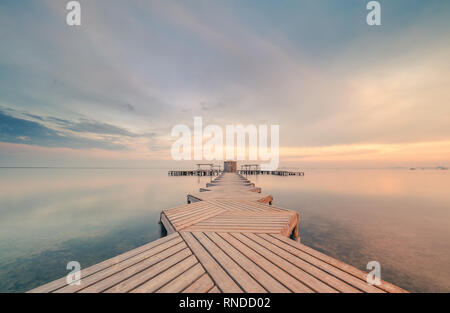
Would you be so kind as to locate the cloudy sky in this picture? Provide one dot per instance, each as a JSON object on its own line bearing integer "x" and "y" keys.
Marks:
{"x": 108, "y": 93}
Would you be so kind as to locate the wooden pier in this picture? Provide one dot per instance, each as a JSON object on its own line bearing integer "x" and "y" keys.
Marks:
{"x": 201, "y": 172}
{"x": 277, "y": 173}
{"x": 214, "y": 170}
{"x": 246, "y": 169}
{"x": 255, "y": 169}
{"x": 227, "y": 239}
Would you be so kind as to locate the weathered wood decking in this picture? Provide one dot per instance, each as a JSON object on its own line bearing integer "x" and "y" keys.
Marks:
{"x": 231, "y": 216}
{"x": 230, "y": 240}
{"x": 227, "y": 187}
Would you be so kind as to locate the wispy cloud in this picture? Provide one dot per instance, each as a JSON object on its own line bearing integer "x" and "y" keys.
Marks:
{"x": 91, "y": 126}
{"x": 133, "y": 70}
{"x": 17, "y": 130}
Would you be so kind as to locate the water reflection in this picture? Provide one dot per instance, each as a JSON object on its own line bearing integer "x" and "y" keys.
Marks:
{"x": 397, "y": 217}
{"x": 49, "y": 217}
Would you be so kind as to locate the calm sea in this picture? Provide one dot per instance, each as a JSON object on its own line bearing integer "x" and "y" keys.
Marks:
{"x": 49, "y": 217}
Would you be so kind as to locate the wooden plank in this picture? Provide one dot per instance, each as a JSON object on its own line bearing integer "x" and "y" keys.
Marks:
{"x": 342, "y": 271}
{"x": 284, "y": 278}
{"x": 231, "y": 229}
{"x": 302, "y": 276}
{"x": 164, "y": 277}
{"x": 241, "y": 277}
{"x": 167, "y": 224}
{"x": 234, "y": 230}
{"x": 184, "y": 280}
{"x": 203, "y": 284}
{"x": 118, "y": 277}
{"x": 235, "y": 205}
{"x": 255, "y": 210}
{"x": 247, "y": 219}
{"x": 261, "y": 215}
{"x": 218, "y": 275}
{"x": 54, "y": 285}
{"x": 193, "y": 214}
{"x": 250, "y": 205}
{"x": 190, "y": 211}
{"x": 241, "y": 225}
{"x": 267, "y": 281}
{"x": 183, "y": 207}
{"x": 244, "y": 220}
{"x": 87, "y": 281}
{"x": 144, "y": 276}
{"x": 264, "y": 206}
{"x": 194, "y": 219}
{"x": 307, "y": 267}
{"x": 254, "y": 217}
{"x": 240, "y": 221}
{"x": 230, "y": 191}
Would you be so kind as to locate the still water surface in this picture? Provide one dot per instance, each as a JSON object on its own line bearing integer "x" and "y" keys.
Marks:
{"x": 49, "y": 217}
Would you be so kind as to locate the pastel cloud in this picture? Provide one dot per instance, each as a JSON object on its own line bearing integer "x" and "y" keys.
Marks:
{"x": 133, "y": 70}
